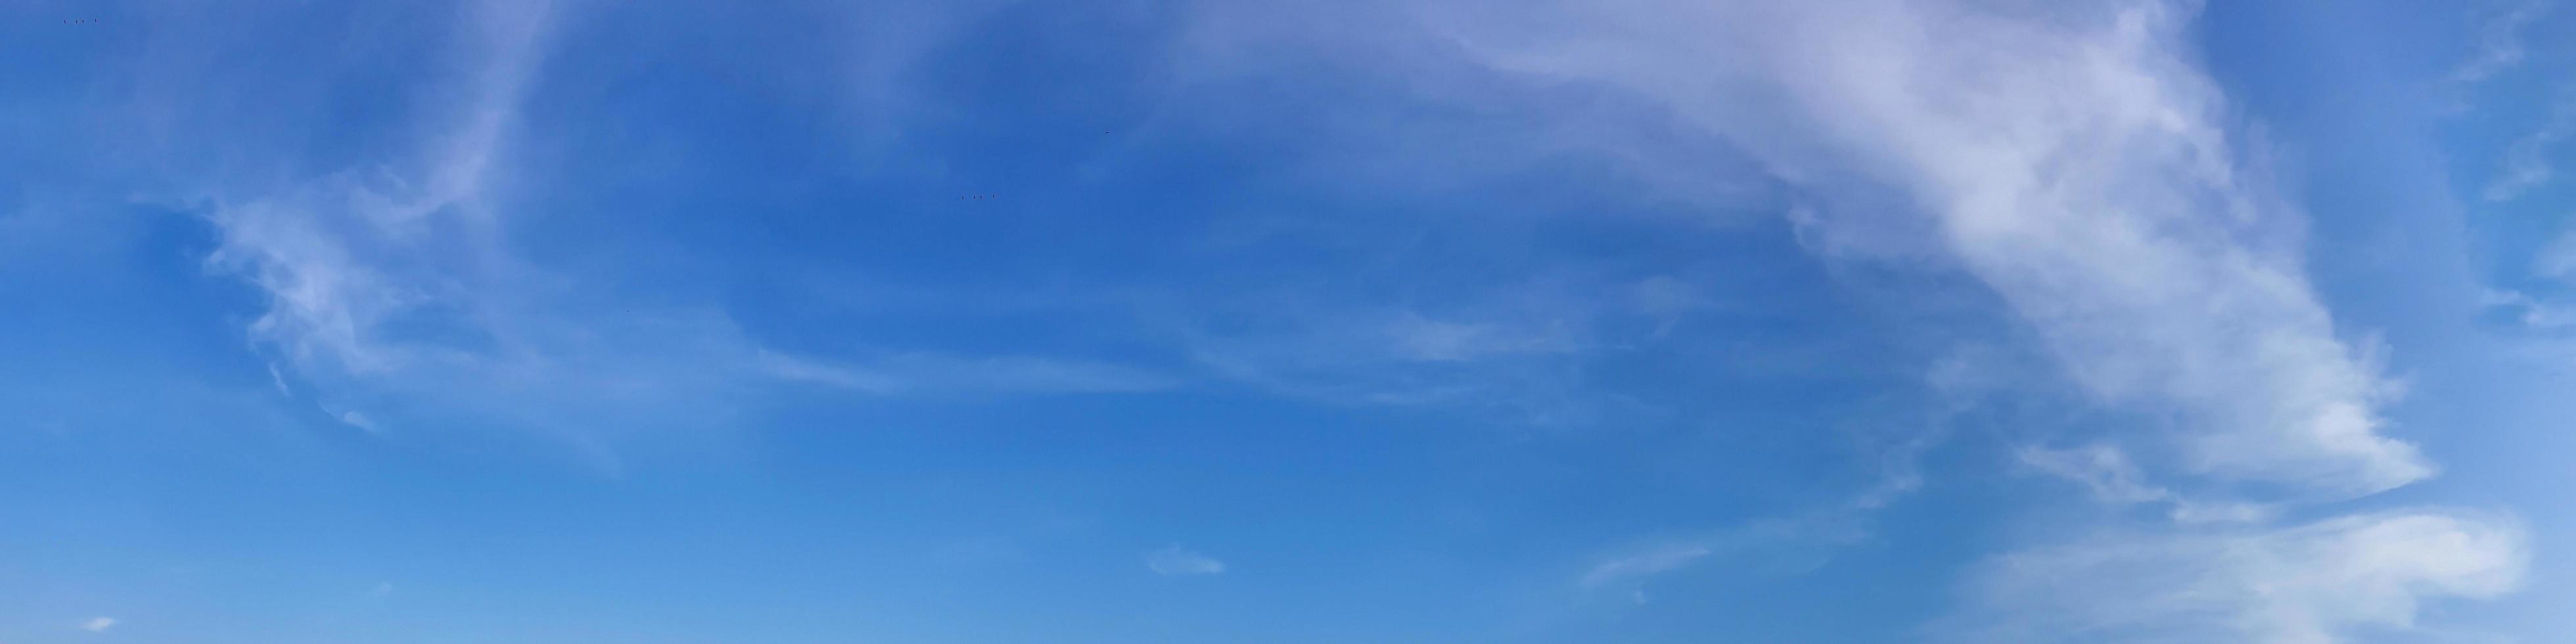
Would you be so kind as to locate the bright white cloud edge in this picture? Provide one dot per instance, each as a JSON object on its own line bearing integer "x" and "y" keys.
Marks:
{"x": 2076, "y": 163}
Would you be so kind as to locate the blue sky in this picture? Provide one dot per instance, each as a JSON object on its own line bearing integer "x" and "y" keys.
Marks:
{"x": 1413, "y": 321}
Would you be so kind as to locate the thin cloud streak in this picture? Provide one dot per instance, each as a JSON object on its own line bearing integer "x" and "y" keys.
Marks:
{"x": 2307, "y": 584}
{"x": 1176, "y": 562}
{"x": 2499, "y": 41}
{"x": 2526, "y": 164}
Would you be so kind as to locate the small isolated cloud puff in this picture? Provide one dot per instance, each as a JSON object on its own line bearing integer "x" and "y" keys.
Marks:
{"x": 98, "y": 624}
{"x": 1176, "y": 562}
{"x": 2299, "y": 585}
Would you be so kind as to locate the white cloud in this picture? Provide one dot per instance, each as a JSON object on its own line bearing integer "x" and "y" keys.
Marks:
{"x": 2309, "y": 584}
{"x": 1419, "y": 338}
{"x": 2073, "y": 161}
{"x": 345, "y": 257}
{"x": 1176, "y": 562}
{"x": 1775, "y": 545}
{"x": 2558, "y": 259}
{"x": 278, "y": 379}
{"x": 2526, "y": 160}
{"x": 2499, "y": 41}
{"x": 2555, "y": 261}
{"x": 98, "y": 624}
{"x": 360, "y": 421}
{"x": 2530, "y": 312}
{"x": 2101, "y": 468}
{"x": 1504, "y": 357}
{"x": 919, "y": 373}
{"x": 393, "y": 285}
{"x": 1512, "y": 348}
{"x": 2108, "y": 473}
{"x": 1652, "y": 561}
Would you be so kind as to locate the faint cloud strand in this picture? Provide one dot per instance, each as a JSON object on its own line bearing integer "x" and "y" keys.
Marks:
{"x": 2309, "y": 584}
{"x": 392, "y": 289}
{"x": 2107, "y": 473}
{"x": 937, "y": 374}
{"x": 1176, "y": 562}
{"x": 2526, "y": 161}
{"x": 2499, "y": 41}
{"x": 1768, "y": 536}
{"x": 346, "y": 255}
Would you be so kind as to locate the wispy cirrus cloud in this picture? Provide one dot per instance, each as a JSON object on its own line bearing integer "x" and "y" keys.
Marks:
{"x": 2499, "y": 41}
{"x": 2083, "y": 177}
{"x": 1785, "y": 544}
{"x": 2305, "y": 584}
{"x": 1174, "y": 561}
{"x": 919, "y": 373}
{"x": 2074, "y": 164}
{"x": 391, "y": 288}
{"x": 2526, "y": 163}
{"x": 1650, "y": 561}
{"x": 397, "y": 295}
{"x": 2078, "y": 166}
{"x": 2108, "y": 474}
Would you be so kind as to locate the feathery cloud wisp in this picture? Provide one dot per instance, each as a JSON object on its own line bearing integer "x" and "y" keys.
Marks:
{"x": 2306, "y": 584}
{"x": 2526, "y": 160}
{"x": 1175, "y": 562}
{"x": 2499, "y": 41}
{"x": 2075, "y": 164}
